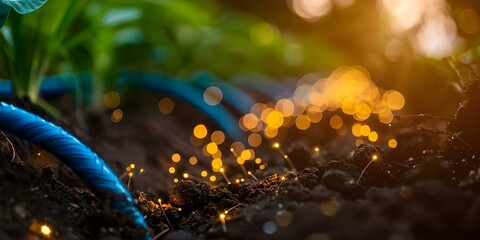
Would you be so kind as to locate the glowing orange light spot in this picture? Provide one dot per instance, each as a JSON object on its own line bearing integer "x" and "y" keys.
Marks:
{"x": 212, "y": 148}
{"x": 193, "y": 161}
{"x": 392, "y": 143}
{"x": 176, "y": 157}
{"x": 117, "y": 115}
{"x": 217, "y": 163}
{"x": 200, "y": 131}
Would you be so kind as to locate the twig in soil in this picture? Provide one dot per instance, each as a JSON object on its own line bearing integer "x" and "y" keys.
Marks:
{"x": 222, "y": 170}
{"x": 374, "y": 158}
{"x": 14, "y": 153}
{"x": 453, "y": 135}
{"x": 253, "y": 176}
{"x": 163, "y": 211}
{"x": 161, "y": 234}
{"x": 285, "y": 156}
{"x": 238, "y": 205}
{"x": 422, "y": 117}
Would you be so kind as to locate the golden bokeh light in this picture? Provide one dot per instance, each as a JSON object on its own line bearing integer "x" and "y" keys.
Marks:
{"x": 193, "y": 160}
{"x": 200, "y": 131}
{"x": 212, "y": 148}
{"x": 392, "y": 143}
{"x": 176, "y": 157}
{"x": 336, "y": 122}
{"x": 254, "y": 139}
{"x": 218, "y": 137}
{"x": 302, "y": 122}
{"x": 217, "y": 163}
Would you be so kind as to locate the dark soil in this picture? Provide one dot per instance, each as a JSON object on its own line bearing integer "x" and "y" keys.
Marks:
{"x": 423, "y": 189}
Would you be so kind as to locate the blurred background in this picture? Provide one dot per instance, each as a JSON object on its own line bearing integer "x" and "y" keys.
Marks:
{"x": 406, "y": 45}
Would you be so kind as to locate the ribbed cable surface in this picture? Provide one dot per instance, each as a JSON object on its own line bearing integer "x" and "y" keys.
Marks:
{"x": 83, "y": 161}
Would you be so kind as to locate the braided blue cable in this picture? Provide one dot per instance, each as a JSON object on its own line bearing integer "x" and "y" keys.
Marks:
{"x": 85, "y": 163}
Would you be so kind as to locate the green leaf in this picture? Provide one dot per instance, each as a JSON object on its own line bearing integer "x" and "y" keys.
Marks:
{"x": 24, "y": 6}
{"x": 4, "y": 9}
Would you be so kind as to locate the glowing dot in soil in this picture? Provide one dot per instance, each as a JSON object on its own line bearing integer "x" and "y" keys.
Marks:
{"x": 374, "y": 157}
{"x": 212, "y": 148}
{"x": 175, "y": 180}
{"x": 222, "y": 216}
{"x": 270, "y": 227}
{"x": 185, "y": 175}
{"x": 200, "y": 131}
{"x": 392, "y": 143}
{"x": 45, "y": 230}
{"x": 176, "y": 157}
{"x": 132, "y": 166}
{"x": 171, "y": 170}
{"x": 212, "y": 96}
{"x": 373, "y": 136}
{"x": 111, "y": 99}
{"x": 258, "y": 160}
{"x": 218, "y": 137}
{"x": 237, "y": 180}
{"x": 213, "y": 178}
{"x": 316, "y": 149}
{"x": 222, "y": 170}
{"x": 217, "y": 163}
{"x": 117, "y": 115}
{"x": 254, "y": 139}
{"x": 276, "y": 145}
{"x": 261, "y": 167}
{"x": 166, "y": 105}
{"x": 336, "y": 122}
{"x": 130, "y": 174}
{"x": 302, "y": 122}
{"x": 193, "y": 161}
{"x": 204, "y": 173}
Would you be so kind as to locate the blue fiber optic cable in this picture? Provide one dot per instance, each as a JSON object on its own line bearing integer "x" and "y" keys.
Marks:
{"x": 85, "y": 163}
